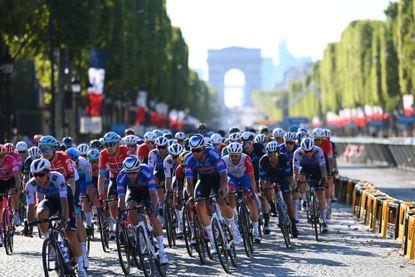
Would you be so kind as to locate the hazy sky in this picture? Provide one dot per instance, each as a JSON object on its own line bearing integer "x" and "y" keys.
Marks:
{"x": 307, "y": 25}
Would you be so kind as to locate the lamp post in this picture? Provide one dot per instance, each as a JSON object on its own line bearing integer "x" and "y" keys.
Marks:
{"x": 7, "y": 69}
{"x": 76, "y": 89}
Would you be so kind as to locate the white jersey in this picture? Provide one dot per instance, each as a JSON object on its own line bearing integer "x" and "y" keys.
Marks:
{"x": 170, "y": 166}
{"x": 239, "y": 170}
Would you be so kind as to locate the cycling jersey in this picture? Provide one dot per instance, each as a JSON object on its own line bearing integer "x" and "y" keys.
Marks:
{"x": 143, "y": 151}
{"x": 334, "y": 150}
{"x": 8, "y": 168}
{"x": 278, "y": 174}
{"x": 241, "y": 168}
{"x": 85, "y": 174}
{"x": 62, "y": 163}
{"x": 145, "y": 180}
{"x": 283, "y": 149}
{"x": 211, "y": 165}
{"x": 26, "y": 165}
{"x": 303, "y": 161}
{"x": 224, "y": 151}
{"x": 56, "y": 189}
{"x": 114, "y": 164}
{"x": 155, "y": 162}
{"x": 170, "y": 166}
{"x": 18, "y": 158}
{"x": 255, "y": 155}
{"x": 326, "y": 147}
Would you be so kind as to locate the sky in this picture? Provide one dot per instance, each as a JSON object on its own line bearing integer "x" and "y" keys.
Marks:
{"x": 307, "y": 25}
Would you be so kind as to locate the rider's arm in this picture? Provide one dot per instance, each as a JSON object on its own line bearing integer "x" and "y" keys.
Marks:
{"x": 251, "y": 173}
{"x": 102, "y": 167}
{"x": 64, "y": 208}
{"x": 188, "y": 171}
{"x": 322, "y": 163}
{"x": 167, "y": 165}
{"x": 30, "y": 200}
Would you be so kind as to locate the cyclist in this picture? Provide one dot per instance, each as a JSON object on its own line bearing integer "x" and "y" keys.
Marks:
{"x": 83, "y": 149}
{"x": 111, "y": 158}
{"x": 129, "y": 132}
{"x": 146, "y": 147}
{"x": 262, "y": 139}
{"x": 67, "y": 142}
{"x": 136, "y": 184}
{"x": 278, "y": 134}
{"x": 309, "y": 163}
{"x": 56, "y": 196}
{"x": 22, "y": 148}
{"x": 233, "y": 137}
{"x": 170, "y": 164}
{"x": 36, "y": 139}
{"x": 205, "y": 164}
{"x": 335, "y": 170}
{"x": 11, "y": 150}
{"x": 131, "y": 142}
{"x": 93, "y": 159}
{"x": 241, "y": 173}
{"x": 9, "y": 180}
{"x": 274, "y": 167}
{"x": 217, "y": 142}
{"x": 180, "y": 137}
{"x": 33, "y": 154}
{"x": 96, "y": 144}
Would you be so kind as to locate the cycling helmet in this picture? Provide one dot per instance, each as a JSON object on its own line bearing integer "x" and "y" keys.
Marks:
{"x": 176, "y": 149}
{"x": 307, "y": 144}
{"x": 67, "y": 141}
{"x": 73, "y": 153}
{"x": 290, "y": 136}
{"x": 183, "y": 156}
{"x": 167, "y": 133}
{"x": 302, "y": 130}
{"x": 216, "y": 139}
{"x": 162, "y": 141}
{"x": 318, "y": 133}
{"x": 140, "y": 140}
{"x": 272, "y": 147}
{"x": 131, "y": 139}
{"x": 172, "y": 141}
{"x": 207, "y": 140}
{"x": 95, "y": 144}
{"x": 327, "y": 134}
{"x": 83, "y": 148}
{"x": 21, "y": 146}
{"x": 261, "y": 138}
{"x": 40, "y": 165}
{"x": 36, "y": 138}
{"x": 9, "y": 147}
{"x": 234, "y": 148}
{"x": 263, "y": 129}
{"x": 180, "y": 136}
{"x": 247, "y": 136}
{"x": 111, "y": 137}
{"x": 131, "y": 163}
{"x": 2, "y": 149}
{"x": 293, "y": 128}
{"x": 34, "y": 152}
{"x": 196, "y": 141}
{"x": 149, "y": 136}
{"x": 202, "y": 127}
{"x": 278, "y": 133}
{"x": 235, "y": 137}
{"x": 129, "y": 132}
{"x": 48, "y": 141}
{"x": 93, "y": 154}
{"x": 157, "y": 133}
{"x": 234, "y": 130}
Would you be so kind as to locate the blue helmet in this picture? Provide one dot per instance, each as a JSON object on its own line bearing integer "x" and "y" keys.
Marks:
{"x": 73, "y": 153}
{"x": 48, "y": 141}
{"x": 111, "y": 137}
{"x": 131, "y": 163}
{"x": 93, "y": 154}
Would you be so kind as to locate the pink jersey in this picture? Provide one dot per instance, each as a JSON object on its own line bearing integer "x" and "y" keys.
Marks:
{"x": 18, "y": 158}
{"x": 239, "y": 170}
{"x": 8, "y": 168}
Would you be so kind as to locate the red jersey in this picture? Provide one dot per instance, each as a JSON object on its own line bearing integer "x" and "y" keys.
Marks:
{"x": 326, "y": 147}
{"x": 143, "y": 151}
{"x": 114, "y": 164}
{"x": 63, "y": 164}
{"x": 94, "y": 170}
{"x": 180, "y": 173}
{"x": 18, "y": 158}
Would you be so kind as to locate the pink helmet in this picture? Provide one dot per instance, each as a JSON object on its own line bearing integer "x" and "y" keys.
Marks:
{"x": 9, "y": 147}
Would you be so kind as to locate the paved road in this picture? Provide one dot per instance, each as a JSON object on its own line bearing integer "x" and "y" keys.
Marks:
{"x": 348, "y": 249}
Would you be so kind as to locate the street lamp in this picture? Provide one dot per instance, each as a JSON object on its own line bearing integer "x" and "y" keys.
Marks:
{"x": 76, "y": 89}
{"x": 7, "y": 68}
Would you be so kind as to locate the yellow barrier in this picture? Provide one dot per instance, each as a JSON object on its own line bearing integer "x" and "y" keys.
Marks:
{"x": 410, "y": 248}
{"x": 393, "y": 219}
{"x": 372, "y": 209}
{"x": 377, "y": 213}
{"x": 385, "y": 216}
{"x": 403, "y": 209}
{"x": 363, "y": 217}
{"x": 406, "y": 233}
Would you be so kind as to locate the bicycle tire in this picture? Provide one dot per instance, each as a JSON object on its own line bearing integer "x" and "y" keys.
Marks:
{"x": 314, "y": 215}
{"x": 250, "y": 230}
{"x": 144, "y": 253}
{"x": 59, "y": 263}
{"x": 220, "y": 243}
{"x": 103, "y": 230}
{"x": 230, "y": 245}
{"x": 200, "y": 245}
{"x": 284, "y": 225}
{"x": 168, "y": 224}
{"x": 8, "y": 236}
{"x": 243, "y": 227}
{"x": 187, "y": 232}
{"x": 122, "y": 248}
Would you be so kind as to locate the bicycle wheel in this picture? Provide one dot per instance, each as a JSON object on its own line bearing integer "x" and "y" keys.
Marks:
{"x": 250, "y": 230}
{"x": 243, "y": 227}
{"x": 199, "y": 238}
{"x": 57, "y": 261}
{"x": 314, "y": 216}
{"x": 169, "y": 224}
{"x": 144, "y": 252}
{"x": 122, "y": 248}
{"x": 8, "y": 232}
{"x": 221, "y": 244}
{"x": 284, "y": 225}
{"x": 187, "y": 232}
{"x": 103, "y": 229}
{"x": 230, "y": 246}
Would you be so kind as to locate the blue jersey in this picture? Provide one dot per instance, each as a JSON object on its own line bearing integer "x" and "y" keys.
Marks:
{"x": 85, "y": 172}
{"x": 278, "y": 174}
{"x": 283, "y": 149}
{"x": 211, "y": 165}
{"x": 57, "y": 188}
{"x": 145, "y": 179}
{"x": 256, "y": 154}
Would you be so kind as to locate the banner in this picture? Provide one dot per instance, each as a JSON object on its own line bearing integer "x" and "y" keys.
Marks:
{"x": 96, "y": 77}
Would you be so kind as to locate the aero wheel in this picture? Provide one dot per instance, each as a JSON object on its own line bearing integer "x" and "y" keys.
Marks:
{"x": 284, "y": 225}
{"x": 187, "y": 232}
{"x": 199, "y": 239}
{"x": 122, "y": 248}
{"x": 243, "y": 227}
{"x": 52, "y": 258}
{"x": 221, "y": 244}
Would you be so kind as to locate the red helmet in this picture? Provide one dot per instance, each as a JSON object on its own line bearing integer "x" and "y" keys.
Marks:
{"x": 2, "y": 149}
{"x": 9, "y": 147}
{"x": 129, "y": 131}
{"x": 36, "y": 138}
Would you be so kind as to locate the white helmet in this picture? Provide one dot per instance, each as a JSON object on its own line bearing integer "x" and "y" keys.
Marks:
{"x": 162, "y": 141}
{"x": 176, "y": 149}
{"x": 21, "y": 146}
{"x": 261, "y": 138}
{"x": 34, "y": 152}
{"x": 272, "y": 146}
{"x": 216, "y": 138}
{"x": 83, "y": 148}
{"x": 318, "y": 133}
{"x": 180, "y": 136}
{"x": 40, "y": 165}
{"x": 327, "y": 133}
{"x": 131, "y": 163}
{"x": 234, "y": 148}
{"x": 290, "y": 136}
{"x": 207, "y": 140}
{"x": 149, "y": 136}
{"x": 278, "y": 133}
{"x": 130, "y": 139}
{"x": 235, "y": 137}
{"x": 307, "y": 144}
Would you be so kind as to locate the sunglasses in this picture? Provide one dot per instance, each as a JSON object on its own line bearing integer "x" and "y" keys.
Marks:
{"x": 110, "y": 144}
{"x": 131, "y": 145}
{"x": 290, "y": 142}
{"x": 308, "y": 151}
{"x": 247, "y": 142}
{"x": 234, "y": 155}
{"x": 41, "y": 174}
{"x": 93, "y": 162}
{"x": 161, "y": 147}
{"x": 131, "y": 172}
{"x": 45, "y": 150}
{"x": 197, "y": 150}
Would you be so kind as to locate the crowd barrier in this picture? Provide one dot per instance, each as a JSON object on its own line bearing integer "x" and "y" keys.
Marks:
{"x": 393, "y": 152}
{"x": 386, "y": 216}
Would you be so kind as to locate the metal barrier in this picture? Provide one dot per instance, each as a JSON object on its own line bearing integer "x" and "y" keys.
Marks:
{"x": 393, "y": 152}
